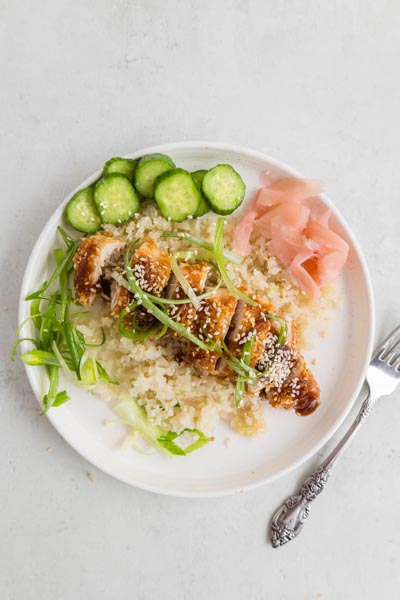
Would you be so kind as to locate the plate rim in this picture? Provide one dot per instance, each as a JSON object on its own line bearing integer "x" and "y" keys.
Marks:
{"x": 251, "y": 153}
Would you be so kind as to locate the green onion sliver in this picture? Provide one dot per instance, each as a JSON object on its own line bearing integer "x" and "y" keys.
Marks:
{"x": 185, "y": 285}
{"x": 32, "y": 317}
{"x": 82, "y": 340}
{"x": 283, "y": 332}
{"x": 18, "y": 342}
{"x": 247, "y": 352}
{"x": 219, "y": 257}
{"x": 51, "y": 396}
{"x": 73, "y": 348}
{"x": 234, "y": 363}
{"x": 228, "y": 255}
{"x": 63, "y": 265}
{"x": 88, "y": 370}
{"x": 70, "y": 372}
{"x": 196, "y": 255}
{"x": 137, "y": 333}
{"x": 63, "y": 364}
{"x": 65, "y": 236}
{"x": 37, "y": 358}
{"x": 239, "y": 391}
{"x": 65, "y": 298}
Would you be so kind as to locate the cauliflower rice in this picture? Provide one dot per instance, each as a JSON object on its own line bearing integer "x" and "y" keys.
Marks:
{"x": 173, "y": 393}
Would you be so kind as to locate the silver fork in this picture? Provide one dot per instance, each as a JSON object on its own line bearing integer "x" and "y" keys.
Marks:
{"x": 383, "y": 376}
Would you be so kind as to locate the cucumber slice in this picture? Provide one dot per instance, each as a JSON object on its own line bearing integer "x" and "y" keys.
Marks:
{"x": 223, "y": 188}
{"x": 177, "y": 195}
{"x": 204, "y": 208}
{"x": 147, "y": 171}
{"x": 198, "y": 177}
{"x": 81, "y": 211}
{"x": 116, "y": 199}
{"x": 125, "y": 166}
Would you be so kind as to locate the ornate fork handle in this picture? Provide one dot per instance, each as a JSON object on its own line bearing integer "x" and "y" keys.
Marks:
{"x": 289, "y": 519}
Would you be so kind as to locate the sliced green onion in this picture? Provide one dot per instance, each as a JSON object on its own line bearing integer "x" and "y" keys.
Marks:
{"x": 58, "y": 333}
{"x": 51, "y": 396}
{"x": 228, "y": 255}
{"x": 197, "y": 255}
{"x": 240, "y": 386}
{"x": 63, "y": 265}
{"x": 65, "y": 295}
{"x": 47, "y": 326}
{"x": 32, "y": 317}
{"x": 65, "y": 236}
{"x": 135, "y": 416}
{"x": 63, "y": 363}
{"x": 241, "y": 367}
{"x": 202, "y": 440}
{"x": 219, "y": 257}
{"x": 13, "y": 351}
{"x": 283, "y": 332}
{"x": 223, "y": 351}
{"x": 61, "y": 398}
{"x": 77, "y": 316}
{"x": 35, "y": 315}
{"x": 162, "y": 332}
{"x": 51, "y": 299}
{"x": 239, "y": 391}
{"x": 185, "y": 285}
{"x": 36, "y": 358}
{"x": 168, "y": 441}
{"x": 88, "y": 372}
{"x": 101, "y": 343}
{"x": 104, "y": 376}
{"x": 137, "y": 333}
{"x": 83, "y": 342}
{"x": 76, "y": 355}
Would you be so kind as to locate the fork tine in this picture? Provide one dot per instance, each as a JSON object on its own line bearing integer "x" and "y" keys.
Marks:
{"x": 392, "y": 358}
{"x": 388, "y": 344}
{"x": 391, "y": 354}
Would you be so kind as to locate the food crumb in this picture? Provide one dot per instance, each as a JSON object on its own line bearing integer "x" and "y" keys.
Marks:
{"x": 49, "y": 450}
{"x": 91, "y": 476}
{"x": 212, "y": 438}
{"x": 5, "y": 307}
{"x": 228, "y": 442}
{"x": 314, "y": 361}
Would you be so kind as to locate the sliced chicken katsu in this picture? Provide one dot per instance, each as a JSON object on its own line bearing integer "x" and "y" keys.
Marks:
{"x": 120, "y": 298}
{"x": 288, "y": 383}
{"x": 93, "y": 255}
{"x": 152, "y": 267}
{"x": 248, "y": 321}
{"x": 299, "y": 391}
{"x": 210, "y": 324}
{"x": 196, "y": 276}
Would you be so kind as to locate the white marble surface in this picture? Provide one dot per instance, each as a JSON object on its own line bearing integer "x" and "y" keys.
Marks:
{"x": 313, "y": 83}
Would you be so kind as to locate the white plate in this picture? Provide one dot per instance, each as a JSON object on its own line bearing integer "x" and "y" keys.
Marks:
{"x": 216, "y": 470}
